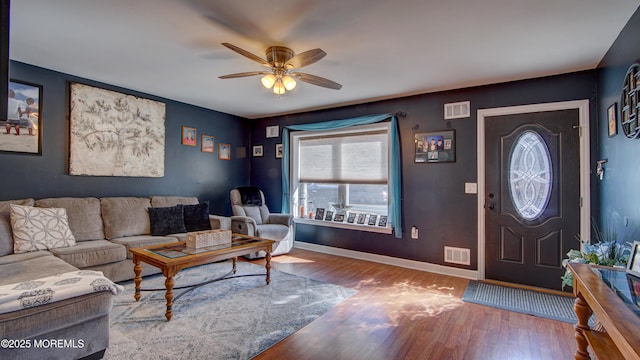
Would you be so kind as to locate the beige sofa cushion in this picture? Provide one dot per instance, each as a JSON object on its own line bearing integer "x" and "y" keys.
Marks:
{"x": 84, "y": 215}
{"x": 39, "y": 228}
{"x": 6, "y": 235}
{"x": 168, "y": 201}
{"x": 125, "y": 216}
{"x": 91, "y": 253}
{"x": 132, "y": 242}
{"x": 30, "y": 267}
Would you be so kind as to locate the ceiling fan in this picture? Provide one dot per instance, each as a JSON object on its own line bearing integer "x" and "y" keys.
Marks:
{"x": 282, "y": 63}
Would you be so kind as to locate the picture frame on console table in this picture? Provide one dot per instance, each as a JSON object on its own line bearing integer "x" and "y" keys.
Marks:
{"x": 24, "y": 119}
{"x": 435, "y": 147}
{"x": 633, "y": 266}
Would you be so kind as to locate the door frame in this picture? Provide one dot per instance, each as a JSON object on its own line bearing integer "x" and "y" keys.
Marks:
{"x": 585, "y": 160}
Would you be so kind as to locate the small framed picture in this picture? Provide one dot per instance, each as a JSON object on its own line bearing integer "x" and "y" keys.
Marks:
{"x": 633, "y": 266}
{"x": 224, "y": 151}
{"x": 188, "y": 136}
{"x": 329, "y": 215}
{"x": 435, "y": 147}
{"x": 24, "y": 120}
{"x": 372, "y": 219}
{"x": 383, "y": 221}
{"x": 361, "y": 218}
{"x": 319, "y": 214}
{"x": 273, "y": 131}
{"x": 351, "y": 218}
{"x": 339, "y": 218}
{"x": 257, "y": 150}
{"x": 206, "y": 144}
{"x": 278, "y": 151}
{"x": 612, "y": 121}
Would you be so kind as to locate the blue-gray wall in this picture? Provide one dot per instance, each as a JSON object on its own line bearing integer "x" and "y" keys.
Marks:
{"x": 433, "y": 194}
{"x": 619, "y": 195}
{"x": 188, "y": 171}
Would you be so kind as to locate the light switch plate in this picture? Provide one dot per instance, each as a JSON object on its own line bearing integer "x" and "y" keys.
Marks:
{"x": 470, "y": 188}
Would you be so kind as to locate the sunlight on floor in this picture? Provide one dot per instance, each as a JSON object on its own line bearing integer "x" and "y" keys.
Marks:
{"x": 404, "y": 301}
{"x": 287, "y": 259}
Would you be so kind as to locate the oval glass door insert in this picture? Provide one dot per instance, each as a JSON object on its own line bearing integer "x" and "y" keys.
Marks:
{"x": 530, "y": 175}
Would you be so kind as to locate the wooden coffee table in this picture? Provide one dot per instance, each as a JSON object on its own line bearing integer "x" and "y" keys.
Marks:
{"x": 173, "y": 257}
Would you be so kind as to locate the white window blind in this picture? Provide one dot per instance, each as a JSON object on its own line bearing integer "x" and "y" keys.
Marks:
{"x": 353, "y": 158}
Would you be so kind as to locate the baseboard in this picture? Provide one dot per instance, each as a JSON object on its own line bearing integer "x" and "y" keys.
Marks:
{"x": 389, "y": 260}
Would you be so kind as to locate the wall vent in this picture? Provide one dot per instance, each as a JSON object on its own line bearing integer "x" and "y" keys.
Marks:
{"x": 457, "y": 255}
{"x": 457, "y": 110}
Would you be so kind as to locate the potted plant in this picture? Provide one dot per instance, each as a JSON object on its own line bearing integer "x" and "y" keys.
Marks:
{"x": 603, "y": 250}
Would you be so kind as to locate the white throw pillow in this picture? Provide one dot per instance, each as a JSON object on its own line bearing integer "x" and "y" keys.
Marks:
{"x": 40, "y": 228}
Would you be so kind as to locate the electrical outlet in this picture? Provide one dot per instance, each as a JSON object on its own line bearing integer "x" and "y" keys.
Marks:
{"x": 414, "y": 232}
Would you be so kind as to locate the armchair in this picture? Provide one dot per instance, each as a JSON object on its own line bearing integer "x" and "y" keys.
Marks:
{"x": 252, "y": 217}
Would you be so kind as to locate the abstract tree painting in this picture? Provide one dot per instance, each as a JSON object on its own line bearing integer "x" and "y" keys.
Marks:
{"x": 113, "y": 134}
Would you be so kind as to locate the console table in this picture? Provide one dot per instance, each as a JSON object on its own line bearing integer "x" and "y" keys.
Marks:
{"x": 621, "y": 336}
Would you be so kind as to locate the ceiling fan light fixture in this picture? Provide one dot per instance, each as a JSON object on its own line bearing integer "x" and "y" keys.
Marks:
{"x": 268, "y": 81}
{"x": 278, "y": 87}
{"x": 289, "y": 83}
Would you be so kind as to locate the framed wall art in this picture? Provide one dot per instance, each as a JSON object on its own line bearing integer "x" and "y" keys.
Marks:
{"x": 258, "y": 151}
{"x": 224, "y": 151}
{"x": 612, "y": 111}
{"x": 22, "y": 132}
{"x": 114, "y": 134}
{"x": 273, "y": 131}
{"x": 435, "y": 147}
{"x": 279, "y": 151}
{"x": 189, "y": 136}
{"x": 207, "y": 143}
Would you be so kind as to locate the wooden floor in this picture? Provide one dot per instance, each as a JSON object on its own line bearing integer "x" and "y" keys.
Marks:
{"x": 400, "y": 313}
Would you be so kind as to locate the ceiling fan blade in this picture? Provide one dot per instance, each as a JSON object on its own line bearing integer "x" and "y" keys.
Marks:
{"x": 317, "y": 80}
{"x": 243, "y": 74}
{"x": 247, "y": 54}
{"x": 305, "y": 58}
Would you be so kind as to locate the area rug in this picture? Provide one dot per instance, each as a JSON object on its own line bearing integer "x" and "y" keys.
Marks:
{"x": 231, "y": 319}
{"x": 530, "y": 302}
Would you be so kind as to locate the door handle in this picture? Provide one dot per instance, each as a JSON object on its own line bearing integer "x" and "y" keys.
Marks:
{"x": 492, "y": 204}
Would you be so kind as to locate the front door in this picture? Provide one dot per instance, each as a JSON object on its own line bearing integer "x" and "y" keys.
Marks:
{"x": 532, "y": 204}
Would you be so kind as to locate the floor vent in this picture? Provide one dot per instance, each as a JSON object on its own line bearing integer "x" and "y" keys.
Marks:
{"x": 457, "y": 255}
{"x": 457, "y": 110}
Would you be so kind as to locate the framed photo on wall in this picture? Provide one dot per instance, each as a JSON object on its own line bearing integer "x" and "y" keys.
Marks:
{"x": 189, "y": 136}
{"x": 435, "y": 147}
{"x": 258, "y": 151}
{"x": 24, "y": 120}
{"x": 224, "y": 151}
{"x": 612, "y": 121}
{"x": 279, "y": 151}
{"x": 207, "y": 144}
{"x": 273, "y": 131}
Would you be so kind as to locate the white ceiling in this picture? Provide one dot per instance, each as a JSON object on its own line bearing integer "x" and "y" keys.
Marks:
{"x": 377, "y": 49}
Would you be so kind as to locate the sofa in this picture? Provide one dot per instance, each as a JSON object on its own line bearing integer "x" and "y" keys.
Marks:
{"x": 102, "y": 230}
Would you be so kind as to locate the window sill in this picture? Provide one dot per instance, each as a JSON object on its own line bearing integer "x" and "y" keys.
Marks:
{"x": 342, "y": 225}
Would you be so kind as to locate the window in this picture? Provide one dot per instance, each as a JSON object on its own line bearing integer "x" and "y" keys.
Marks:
{"x": 345, "y": 170}
{"x": 530, "y": 175}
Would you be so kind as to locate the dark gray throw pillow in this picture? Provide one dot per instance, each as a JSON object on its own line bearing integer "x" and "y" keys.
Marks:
{"x": 167, "y": 220}
{"x": 196, "y": 217}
